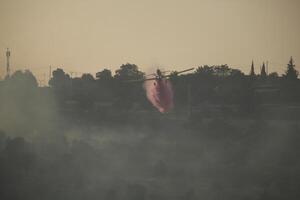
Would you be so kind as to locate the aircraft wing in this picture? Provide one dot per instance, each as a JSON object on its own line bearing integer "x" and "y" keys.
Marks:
{"x": 184, "y": 70}
{"x": 178, "y": 72}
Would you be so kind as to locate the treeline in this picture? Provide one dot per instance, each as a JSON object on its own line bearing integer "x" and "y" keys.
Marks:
{"x": 218, "y": 85}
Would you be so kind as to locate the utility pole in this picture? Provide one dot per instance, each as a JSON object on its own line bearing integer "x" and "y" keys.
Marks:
{"x": 50, "y": 72}
{"x": 44, "y": 81}
{"x": 7, "y": 62}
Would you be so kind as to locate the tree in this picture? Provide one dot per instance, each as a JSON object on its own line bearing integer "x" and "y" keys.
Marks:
{"x": 128, "y": 92}
{"x": 252, "y": 72}
{"x": 215, "y": 70}
{"x": 87, "y": 78}
{"x": 273, "y": 75}
{"x": 62, "y": 85}
{"x": 205, "y": 70}
{"x": 129, "y": 72}
{"x": 204, "y": 84}
{"x": 291, "y": 73}
{"x": 104, "y": 75}
{"x": 290, "y": 88}
{"x": 59, "y": 79}
{"x": 105, "y": 85}
{"x": 222, "y": 70}
{"x": 236, "y": 73}
{"x": 263, "y": 72}
{"x": 20, "y": 85}
{"x": 22, "y": 79}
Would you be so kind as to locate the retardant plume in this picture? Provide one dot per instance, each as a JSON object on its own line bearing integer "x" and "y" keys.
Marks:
{"x": 160, "y": 94}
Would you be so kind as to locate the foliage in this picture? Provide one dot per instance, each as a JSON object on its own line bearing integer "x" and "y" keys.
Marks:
{"x": 217, "y": 84}
{"x": 128, "y": 72}
{"x": 59, "y": 79}
{"x": 291, "y": 73}
{"x": 104, "y": 75}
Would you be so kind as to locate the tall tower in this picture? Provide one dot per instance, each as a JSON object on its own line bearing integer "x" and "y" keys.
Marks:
{"x": 7, "y": 62}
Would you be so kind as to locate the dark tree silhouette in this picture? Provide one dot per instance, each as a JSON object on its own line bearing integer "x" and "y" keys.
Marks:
{"x": 291, "y": 73}
{"x": 105, "y": 86}
{"x": 19, "y": 88}
{"x": 252, "y": 72}
{"x": 87, "y": 78}
{"x": 222, "y": 70}
{"x": 129, "y": 72}
{"x": 104, "y": 75}
{"x": 217, "y": 84}
{"x": 128, "y": 93}
{"x": 263, "y": 73}
{"x": 22, "y": 79}
{"x": 205, "y": 70}
{"x": 59, "y": 79}
{"x": 273, "y": 75}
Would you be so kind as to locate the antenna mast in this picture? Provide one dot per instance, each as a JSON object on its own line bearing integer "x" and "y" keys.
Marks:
{"x": 50, "y": 72}
{"x": 7, "y": 62}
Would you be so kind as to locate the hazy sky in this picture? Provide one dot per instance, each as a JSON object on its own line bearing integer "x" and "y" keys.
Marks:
{"x": 88, "y": 35}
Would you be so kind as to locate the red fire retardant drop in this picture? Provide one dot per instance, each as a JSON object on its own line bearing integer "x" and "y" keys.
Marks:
{"x": 160, "y": 94}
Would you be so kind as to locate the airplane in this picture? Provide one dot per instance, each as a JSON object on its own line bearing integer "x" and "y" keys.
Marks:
{"x": 160, "y": 94}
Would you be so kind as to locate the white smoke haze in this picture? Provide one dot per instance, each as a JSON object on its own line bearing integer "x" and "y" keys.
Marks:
{"x": 46, "y": 154}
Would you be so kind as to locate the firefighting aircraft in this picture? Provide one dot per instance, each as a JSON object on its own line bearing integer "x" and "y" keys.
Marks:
{"x": 160, "y": 94}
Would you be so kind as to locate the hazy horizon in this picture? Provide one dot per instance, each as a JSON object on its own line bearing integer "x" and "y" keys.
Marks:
{"x": 88, "y": 36}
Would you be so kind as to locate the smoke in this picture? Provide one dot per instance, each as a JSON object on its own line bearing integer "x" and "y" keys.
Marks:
{"x": 26, "y": 109}
{"x": 160, "y": 94}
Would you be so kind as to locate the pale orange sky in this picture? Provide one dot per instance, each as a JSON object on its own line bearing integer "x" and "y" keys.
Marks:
{"x": 89, "y": 35}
